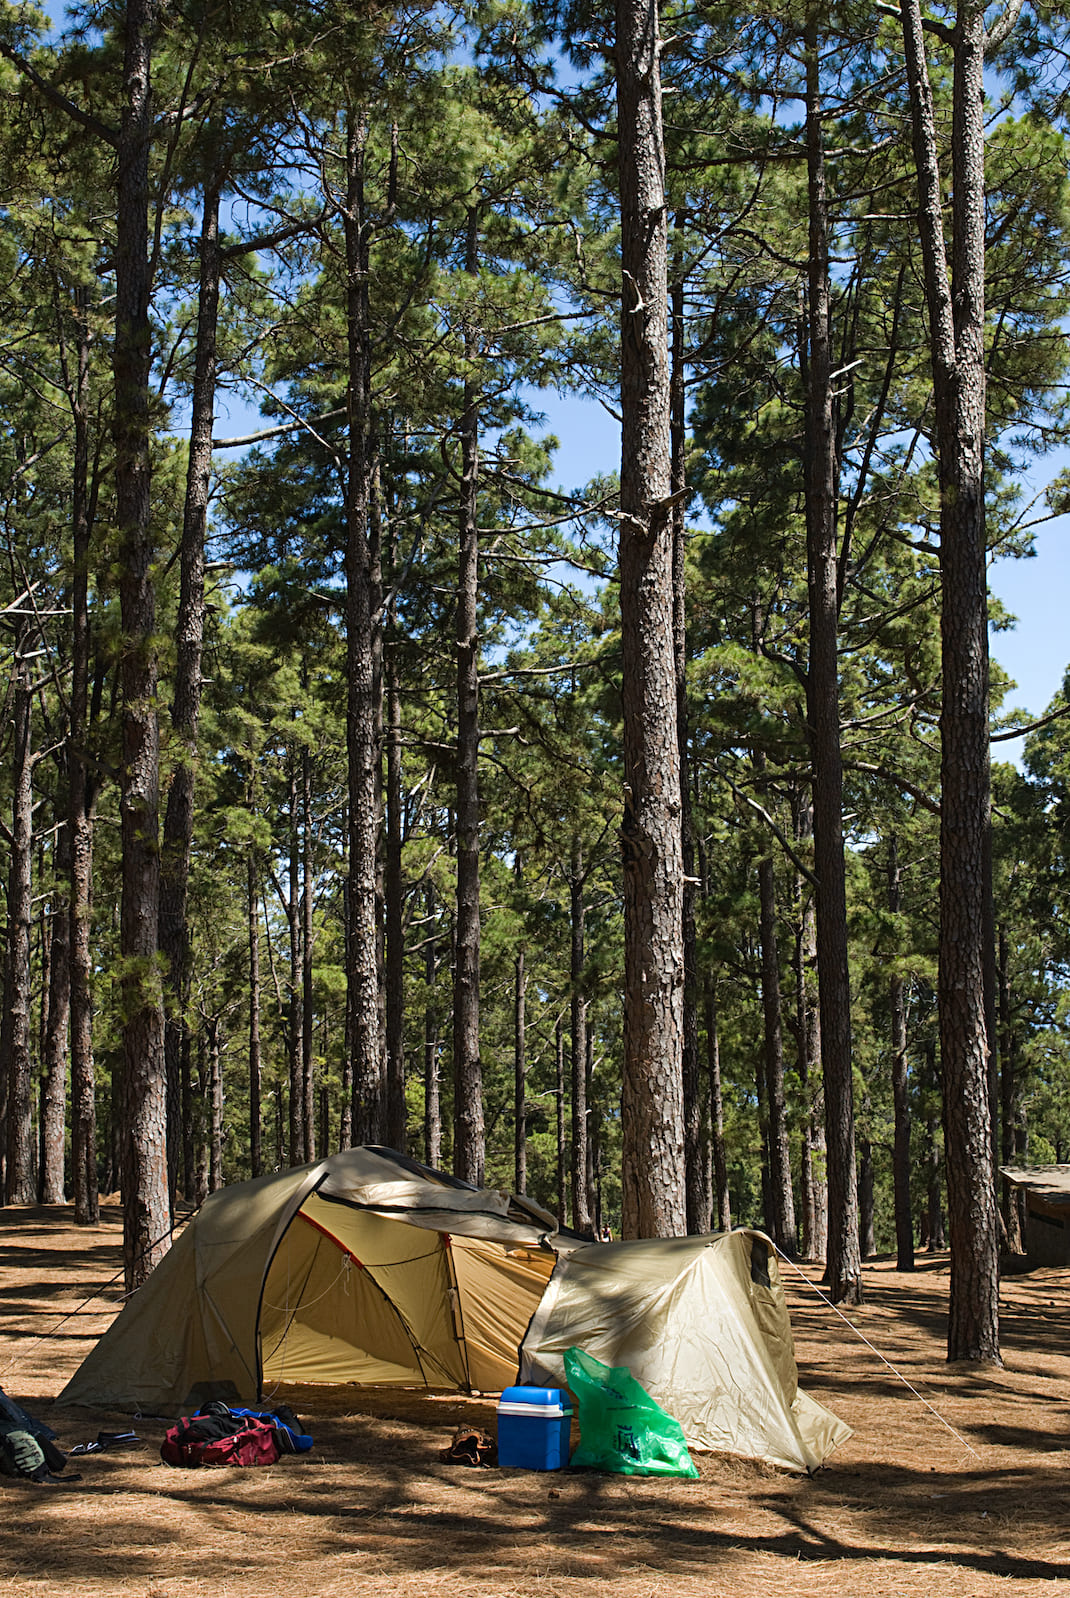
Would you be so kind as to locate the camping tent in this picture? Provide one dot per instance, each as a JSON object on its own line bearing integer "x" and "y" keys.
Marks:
{"x": 1047, "y": 1210}
{"x": 702, "y": 1323}
{"x": 363, "y": 1267}
{"x": 368, "y": 1268}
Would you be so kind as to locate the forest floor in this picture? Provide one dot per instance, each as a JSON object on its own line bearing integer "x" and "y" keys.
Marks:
{"x": 905, "y": 1507}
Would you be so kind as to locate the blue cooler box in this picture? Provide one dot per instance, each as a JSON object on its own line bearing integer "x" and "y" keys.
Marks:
{"x": 533, "y": 1428}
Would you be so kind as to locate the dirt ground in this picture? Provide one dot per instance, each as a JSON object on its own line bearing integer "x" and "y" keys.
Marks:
{"x": 905, "y": 1507}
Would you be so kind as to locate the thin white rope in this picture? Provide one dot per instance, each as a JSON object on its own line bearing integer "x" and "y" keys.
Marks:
{"x": 884, "y": 1361}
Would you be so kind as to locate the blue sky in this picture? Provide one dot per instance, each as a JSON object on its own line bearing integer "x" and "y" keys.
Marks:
{"x": 1035, "y": 653}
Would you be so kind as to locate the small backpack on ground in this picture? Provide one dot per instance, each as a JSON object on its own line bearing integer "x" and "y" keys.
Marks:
{"x": 29, "y": 1457}
{"x": 218, "y": 1437}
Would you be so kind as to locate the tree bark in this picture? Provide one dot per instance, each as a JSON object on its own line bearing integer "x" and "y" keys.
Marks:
{"x": 956, "y": 330}
{"x": 80, "y": 815}
{"x": 843, "y": 1266}
{"x": 581, "y": 1199}
{"x": 174, "y": 932}
{"x": 146, "y": 1209}
{"x": 51, "y": 1186}
{"x": 396, "y": 1115}
{"x": 781, "y": 1200}
{"x": 904, "y": 1221}
{"x": 256, "y": 1161}
{"x": 520, "y": 1074}
{"x": 722, "y": 1213}
{"x": 469, "y": 1149}
{"x": 363, "y": 667}
{"x": 654, "y": 1200}
{"x": 562, "y": 1153}
{"x": 697, "y": 1191}
{"x": 20, "y": 1174}
{"x": 308, "y": 1010}
{"x": 468, "y": 1153}
{"x": 295, "y": 1006}
{"x": 432, "y": 1106}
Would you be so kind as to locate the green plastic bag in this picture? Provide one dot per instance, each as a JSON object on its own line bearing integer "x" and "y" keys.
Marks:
{"x": 621, "y": 1427}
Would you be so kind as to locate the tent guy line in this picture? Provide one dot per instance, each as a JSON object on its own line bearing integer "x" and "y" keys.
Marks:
{"x": 883, "y": 1359}
{"x": 42, "y": 1337}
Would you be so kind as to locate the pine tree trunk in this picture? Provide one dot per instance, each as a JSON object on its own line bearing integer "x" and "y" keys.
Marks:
{"x": 697, "y": 1192}
{"x": 1010, "y": 1096}
{"x": 174, "y": 932}
{"x": 520, "y": 1075}
{"x": 363, "y": 674}
{"x": 215, "y": 1088}
{"x": 146, "y": 1208}
{"x": 295, "y": 1006}
{"x": 81, "y": 789}
{"x": 904, "y": 1220}
{"x": 432, "y": 1104}
{"x": 654, "y": 1200}
{"x": 51, "y": 1188}
{"x": 867, "y": 1244}
{"x": 396, "y": 1116}
{"x": 843, "y": 1267}
{"x": 781, "y": 1199}
{"x": 469, "y": 1150}
{"x": 308, "y": 1086}
{"x": 956, "y": 322}
{"x": 722, "y": 1209}
{"x": 581, "y": 1202}
{"x": 562, "y": 1153}
{"x": 20, "y": 1174}
{"x": 256, "y": 1161}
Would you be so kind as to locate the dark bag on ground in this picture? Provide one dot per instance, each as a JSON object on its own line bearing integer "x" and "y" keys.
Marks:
{"x": 26, "y": 1456}
{"x": 470, "y": 1446}
{"x": 218, "y": 1437}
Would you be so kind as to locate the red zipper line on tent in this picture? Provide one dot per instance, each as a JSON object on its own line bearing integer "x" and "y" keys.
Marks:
{"x": 337, "y": 1241}
{"x": 920, "y": 1397}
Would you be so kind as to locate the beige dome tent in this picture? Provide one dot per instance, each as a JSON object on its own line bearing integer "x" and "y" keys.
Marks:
{"x": 702, "y": 1323}
{"x": 367, "y": 1268}
{"x": 364, "y": 1267}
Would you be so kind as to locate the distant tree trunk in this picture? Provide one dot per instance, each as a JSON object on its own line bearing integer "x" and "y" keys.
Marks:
{"x": 782, "y": 1204}
{"x": 308, "y": 1016}
{"x": 295, "y": 1006}
{"x": 81, "y": 799}
{"x": 654, "y": 1200}
{"x": 934, "y": 1177}
{"x": 468, "y": 1134}
{"x": 562, "y": 1156}
{"x": 520, "y": 1075}
{"x": 21, "y": 1184}
{"x": 432, "y": 1107}
{"x": 697, "y": 1193}
{"x": 866, "y": 1236}
{"x": 215, "y": 1088}
{"x": 255, "y": 1069}
{"x": 396, "y": 1117}
{"x": 1010, "y": 1099}
{"x": 146, "y": 1209}
{"x": 722, "y": 1210}
{"x": 54, "y": 1103}
{"x": 843, "y": 1267}
{"x": 956, "y": 332}
{"x": 904, "y": 1220}
{"x": 813, "y": 1196}
{"x": 581, "y": 1202}
{"x": 175, "y": 945}
{"x": 363, "y": 667}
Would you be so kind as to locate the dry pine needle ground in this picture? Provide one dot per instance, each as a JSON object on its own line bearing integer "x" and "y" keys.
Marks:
{"x": 904, "y": 1508}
